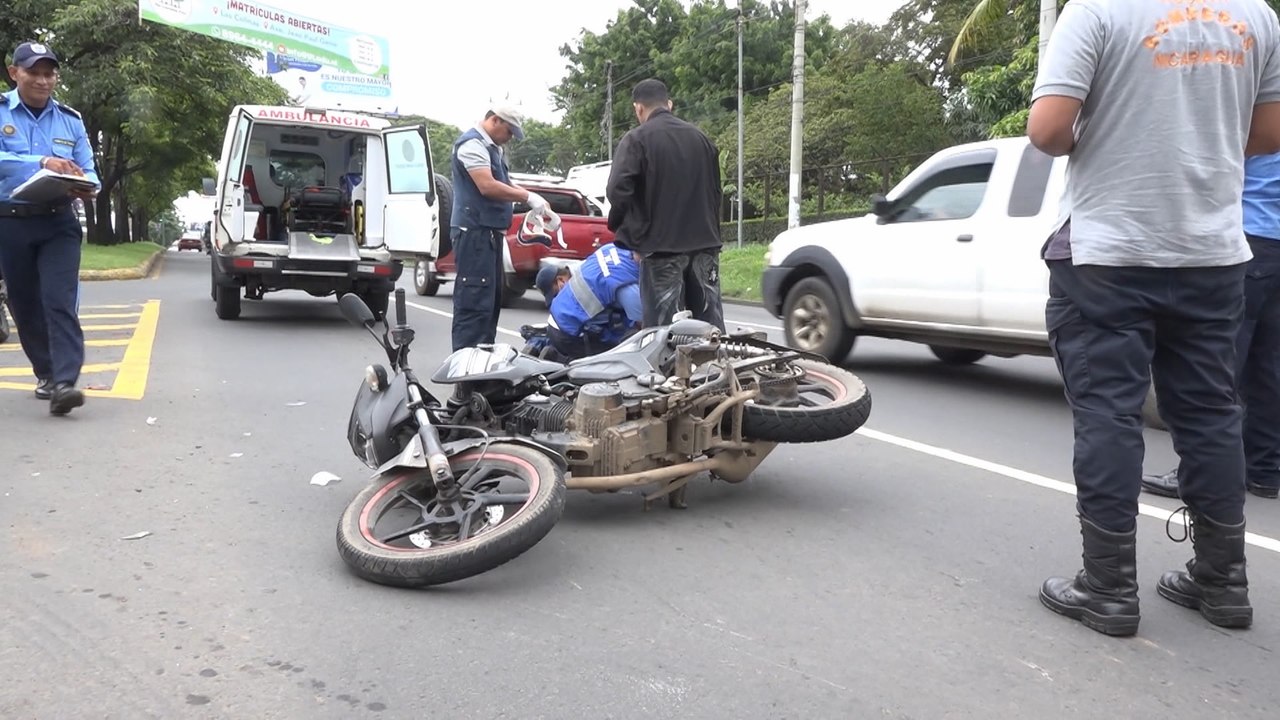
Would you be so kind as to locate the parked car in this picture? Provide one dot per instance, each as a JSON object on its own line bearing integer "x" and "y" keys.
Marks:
{"x": 950, "y": 258}
{"x": 583, "y": 228}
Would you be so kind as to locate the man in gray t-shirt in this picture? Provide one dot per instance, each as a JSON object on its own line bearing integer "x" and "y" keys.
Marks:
{"x": 1157, "y": 105}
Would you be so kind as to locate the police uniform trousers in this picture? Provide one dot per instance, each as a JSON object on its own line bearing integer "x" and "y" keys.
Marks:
{"x": 40, "y": 261}
{"x": 477, "y": 291}
{"x": 1114, "y": 331}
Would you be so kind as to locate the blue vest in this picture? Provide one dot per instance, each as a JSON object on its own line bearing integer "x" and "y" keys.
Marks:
{"x": 470, "y": 208}
{"x": 600, "y": 275}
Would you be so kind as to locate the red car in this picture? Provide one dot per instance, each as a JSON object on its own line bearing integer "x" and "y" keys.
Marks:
{"x": 189, "y": 242}
{"x": 583, "y": 228}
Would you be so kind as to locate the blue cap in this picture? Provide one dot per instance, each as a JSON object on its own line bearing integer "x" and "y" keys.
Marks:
{"x": 30, "y": 53}
{"x": 546, "y": 282}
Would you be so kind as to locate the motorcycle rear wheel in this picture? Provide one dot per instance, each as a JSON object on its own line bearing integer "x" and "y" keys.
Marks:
{"x": 847, "y": 407}
{"x": 400, "y": 559}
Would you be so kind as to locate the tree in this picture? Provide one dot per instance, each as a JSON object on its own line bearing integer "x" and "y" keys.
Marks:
{"x": 155, "y": 100}
{"x": 545, "y": 150}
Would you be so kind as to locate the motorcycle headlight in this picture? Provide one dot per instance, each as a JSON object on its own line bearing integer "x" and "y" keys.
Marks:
{"x": 376, "y": 377}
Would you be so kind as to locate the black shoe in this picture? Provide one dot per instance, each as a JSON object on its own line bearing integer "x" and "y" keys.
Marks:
{"x": 65, "y": 398}
{"x": 43, "y": 391}
{"x": 1104, "y": 595}
{"x": 1165, "y": 485}
{"x": 1214, "y": 582}
{"x": 1263, "y": 491}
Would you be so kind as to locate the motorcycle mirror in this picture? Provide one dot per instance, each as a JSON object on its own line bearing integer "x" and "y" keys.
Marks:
{"x": 355, "y": 311}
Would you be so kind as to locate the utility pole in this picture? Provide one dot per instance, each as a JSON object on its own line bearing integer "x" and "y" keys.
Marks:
{"x": 797, "y": 120}
{"x": 1048, "y": 17}
{"x": 741, "y": 114}
{"x": 608, "y": 106}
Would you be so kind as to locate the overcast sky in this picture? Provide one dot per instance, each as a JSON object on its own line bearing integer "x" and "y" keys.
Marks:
{"x": 443, "y": 65}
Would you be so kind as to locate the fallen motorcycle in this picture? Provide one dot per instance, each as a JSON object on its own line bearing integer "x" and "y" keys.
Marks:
{"x": 446, "y": 503}
{"x": 664, "y": 406}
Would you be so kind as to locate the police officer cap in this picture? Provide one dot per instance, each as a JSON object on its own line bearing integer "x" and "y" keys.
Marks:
{"x": 30, "y": 53}
{"x": 546, "y": 281}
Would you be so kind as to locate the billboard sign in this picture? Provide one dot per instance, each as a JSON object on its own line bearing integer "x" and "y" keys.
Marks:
{"x": 317, "y": 62}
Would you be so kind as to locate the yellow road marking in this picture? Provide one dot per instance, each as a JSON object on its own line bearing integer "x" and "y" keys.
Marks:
{"x": 87, "y": 369}
{"x": 110, "y": 316}
{"x": 131, "y": 372}
{"x": 32, "y": 386}
{"x": 131, "y": 381}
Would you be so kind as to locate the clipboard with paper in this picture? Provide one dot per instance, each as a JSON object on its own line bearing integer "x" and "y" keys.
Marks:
{"x": 48, "y": 186}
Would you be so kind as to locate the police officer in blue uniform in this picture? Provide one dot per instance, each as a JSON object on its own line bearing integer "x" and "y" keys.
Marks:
{"x": 482, "y": 212}
{"x": 40, "y": 242}
{"x": 603, "y": 304}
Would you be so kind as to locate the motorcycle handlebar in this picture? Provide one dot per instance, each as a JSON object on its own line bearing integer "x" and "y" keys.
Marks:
{"x": 401, "y": 318}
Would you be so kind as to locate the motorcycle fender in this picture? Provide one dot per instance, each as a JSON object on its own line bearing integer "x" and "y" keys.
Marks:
{"x": 458, "y": 447}
{"x": 412, "y": 457}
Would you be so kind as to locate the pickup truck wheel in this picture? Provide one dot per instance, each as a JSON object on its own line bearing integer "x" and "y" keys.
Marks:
{"x": 377, "y": 302}
{"x": 226, "y": 300}
{"x": 425, "y": 281}
{"x": 512, "y": 288}
{"x": 812, "y": 320}
{"x": 956, "y": 356}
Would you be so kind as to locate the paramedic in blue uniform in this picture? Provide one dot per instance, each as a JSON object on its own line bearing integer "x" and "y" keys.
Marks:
{"x": 482, "y": 210}
{"x": 602, "y": 305}
{"x": 40, "y": 242}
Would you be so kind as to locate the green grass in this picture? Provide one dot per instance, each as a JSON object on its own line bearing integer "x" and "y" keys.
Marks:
{"x": 740, "y": 270}
{"x": 116, "y": 257}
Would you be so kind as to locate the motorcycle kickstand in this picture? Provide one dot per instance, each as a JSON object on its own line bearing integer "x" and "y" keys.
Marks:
{"x": 675, "y": 492}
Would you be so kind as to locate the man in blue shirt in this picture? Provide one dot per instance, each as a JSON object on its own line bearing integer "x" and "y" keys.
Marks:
{"x": 1258, "y": 341}
{"x": 40, "y": 242}
{"x": 602, "y": 306}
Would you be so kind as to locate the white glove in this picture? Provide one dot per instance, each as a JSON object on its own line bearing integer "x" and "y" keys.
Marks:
{"x": 536, "y": 203}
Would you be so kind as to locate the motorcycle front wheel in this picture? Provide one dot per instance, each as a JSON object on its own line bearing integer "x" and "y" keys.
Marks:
{"x": 395, "y": 532}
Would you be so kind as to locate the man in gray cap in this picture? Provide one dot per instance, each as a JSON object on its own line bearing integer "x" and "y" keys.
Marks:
{"x": 482, "y": 210}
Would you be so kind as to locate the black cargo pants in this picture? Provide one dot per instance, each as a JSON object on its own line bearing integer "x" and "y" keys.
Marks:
{"x": 477, "y": 292}
{"x": 1258, "y": 359}
{"x": 670, "y": 283}
{"x": 1111, "y": 329}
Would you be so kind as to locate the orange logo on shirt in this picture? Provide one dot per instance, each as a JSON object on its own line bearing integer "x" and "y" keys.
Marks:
{"x": 1198, "y": 11}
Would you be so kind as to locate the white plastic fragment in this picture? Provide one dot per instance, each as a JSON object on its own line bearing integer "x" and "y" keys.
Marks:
{"x": 324, "y": 478}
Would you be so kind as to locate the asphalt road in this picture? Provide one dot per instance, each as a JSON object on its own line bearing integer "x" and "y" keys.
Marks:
{"x": 890, "y": 574}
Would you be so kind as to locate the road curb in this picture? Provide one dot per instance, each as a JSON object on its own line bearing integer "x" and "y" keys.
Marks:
{"x": 739, "y": 301}
{"x": 137, "y": 272}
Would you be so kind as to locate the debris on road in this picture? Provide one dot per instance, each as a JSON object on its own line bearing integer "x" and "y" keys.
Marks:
{"x": 151, "y": 421}
{"x": 324, "y": 478}
{"x": 297, "y": 404}
{"x": 137, "y": 535}
{"x": 236, "y": 455}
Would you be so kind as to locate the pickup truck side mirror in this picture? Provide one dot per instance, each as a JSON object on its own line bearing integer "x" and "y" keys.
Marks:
{"x": 880, "y": 205}
{"x": 209, "y": 186}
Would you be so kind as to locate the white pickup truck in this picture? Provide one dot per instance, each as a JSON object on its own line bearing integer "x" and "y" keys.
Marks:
{"x": 951, "y": 259}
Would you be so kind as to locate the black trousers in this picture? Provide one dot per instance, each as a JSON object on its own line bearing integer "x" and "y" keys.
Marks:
{"x": 1111, "y": 329}
{"x": 477, "y": 292}
{"x": 1258, "y": 359}
{"x": 40, "y": 261}
{"x": 688, "y": 281}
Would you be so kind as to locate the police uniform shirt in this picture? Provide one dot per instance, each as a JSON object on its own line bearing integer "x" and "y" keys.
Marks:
{"x": 25, "y": 139}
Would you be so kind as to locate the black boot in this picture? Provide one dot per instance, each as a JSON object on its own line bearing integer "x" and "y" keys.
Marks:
{"x": 1104, "y": 595}
{"x": 1214, "y": 582}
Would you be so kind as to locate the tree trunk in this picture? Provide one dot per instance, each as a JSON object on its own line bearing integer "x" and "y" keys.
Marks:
{"x": 122, "y": 216}
{"x": 102, "y": 234}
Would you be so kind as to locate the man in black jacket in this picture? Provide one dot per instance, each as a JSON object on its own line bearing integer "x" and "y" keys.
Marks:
{"x": 664, "y": 195}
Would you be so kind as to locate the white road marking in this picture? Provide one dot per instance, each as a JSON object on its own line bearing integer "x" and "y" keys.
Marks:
{"x": 1159, "y": 513}
{"x": 1261, "y": 541}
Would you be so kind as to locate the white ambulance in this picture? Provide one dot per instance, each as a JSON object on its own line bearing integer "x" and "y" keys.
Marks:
{"x": 318, "y": 201}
